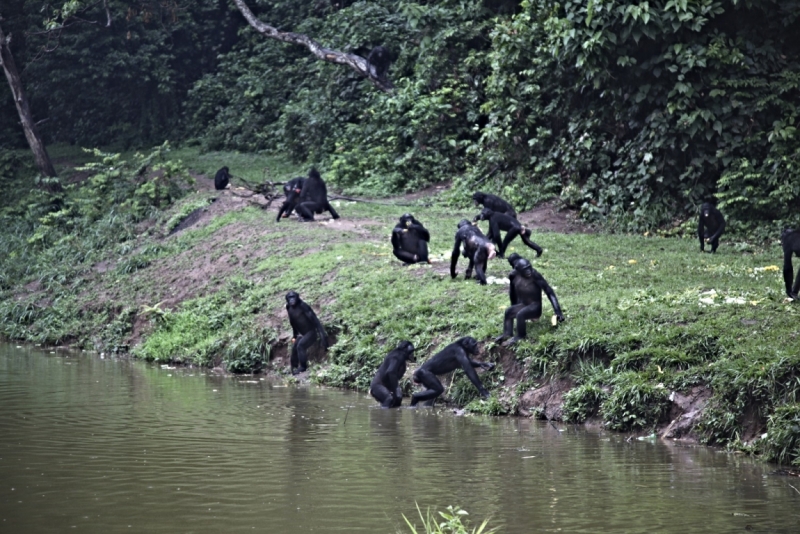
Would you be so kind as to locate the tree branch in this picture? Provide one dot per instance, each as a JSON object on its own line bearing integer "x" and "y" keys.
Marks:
{"x": 357, "y": 63}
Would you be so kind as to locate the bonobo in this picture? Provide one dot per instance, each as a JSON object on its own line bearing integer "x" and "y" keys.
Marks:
{"x": 378, "y": 63}
{"x": 222, "y": 179}
{"x": 494, "y": 203}
{"x": 306, "y": 329}
{"x": 410, "y": 240}
{"x": 292, "y": 190}
{"x": 714, "y": 223}
{"x": 790, "y": 241}
{"x": 449, "y": 359}
{"x": 385, "y": 386}
{"x": 477, "y": 249}
{"x": 314, "y": 198}
{"x": 525, "y": 292}
{"x": 512, "y": 227}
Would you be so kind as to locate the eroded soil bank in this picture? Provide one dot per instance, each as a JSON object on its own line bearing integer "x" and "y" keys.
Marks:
{"x": 658, "y": 337}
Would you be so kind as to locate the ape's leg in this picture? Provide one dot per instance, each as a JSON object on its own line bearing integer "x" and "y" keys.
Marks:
{"x": 404, "y": 256}
{"x": 306, "y": 210}
{"x": 293, "y": 358}
{"x": 382, "y": 394}
{"x": 796, "y": 286}
{"x": 714, "y": 245}
{"x": 526, "y": 238}
{"x": 429, "y": 380}
{"x": 422, "y": 251}
{"x": 531, "y": 311}
{"x": 510, "y": 235}
{"x": 508, "y": 321}
{"x": 468, "y": 273}
{"x": 398, "y": 397}
{"x": 328, "y": 207}
{"x": 480, "y": 271}
{"x": 302, "y": 345}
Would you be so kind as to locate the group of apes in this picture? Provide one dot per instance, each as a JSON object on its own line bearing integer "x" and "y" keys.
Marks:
{"x": 410, "y": 239}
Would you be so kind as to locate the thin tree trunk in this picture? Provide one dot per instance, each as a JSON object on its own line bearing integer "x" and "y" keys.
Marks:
{"x": 31, "y": 134}
{"x": 357, "y": 63}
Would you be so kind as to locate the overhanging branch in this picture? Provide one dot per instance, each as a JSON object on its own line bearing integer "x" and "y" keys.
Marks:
{"x": 357, "y": 63}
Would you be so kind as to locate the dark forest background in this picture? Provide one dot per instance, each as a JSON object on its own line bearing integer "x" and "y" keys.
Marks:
{"x": 631, "y": 112}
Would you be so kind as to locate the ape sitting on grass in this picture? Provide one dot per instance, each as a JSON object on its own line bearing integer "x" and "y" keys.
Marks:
{"x": 410, "y": 240}
{"x": 525, "y": 292}
{"x": 477, "y": 249}
{"x": 449, "y": 359}
{"x": 714, "y": 223}
{"x": 790, "y": 241}
{"x": 306, "y": 329}
{"x": 222, "y": 179}
{"x": 385, "y": 386}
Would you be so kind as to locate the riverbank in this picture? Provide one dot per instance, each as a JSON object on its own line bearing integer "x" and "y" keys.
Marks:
{"x": 658, "y": 336}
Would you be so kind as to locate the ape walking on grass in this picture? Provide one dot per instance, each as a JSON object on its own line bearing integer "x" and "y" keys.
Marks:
{"x": 790, "y": 241}
{"x": 525, "y": 292}
{"x": 710, "y": 226}
{"x": 314, "y": 198}
{"x": 477, "y": 249}
{"x": 306, "y": 329}
{"x": 512, "y": 227}
{"x": 452, "y": 357}
{"x": 410, "y": 240}
{"x": 292, "y": 190}
{"x": 494, "y": 203}
{"x": 385, "y": 387}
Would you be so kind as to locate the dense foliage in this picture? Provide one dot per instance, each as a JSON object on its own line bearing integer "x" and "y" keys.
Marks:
{"x": 632, "y": 112}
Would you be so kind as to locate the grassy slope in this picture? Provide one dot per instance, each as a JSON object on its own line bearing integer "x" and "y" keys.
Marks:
{"x": 645, "y": 316}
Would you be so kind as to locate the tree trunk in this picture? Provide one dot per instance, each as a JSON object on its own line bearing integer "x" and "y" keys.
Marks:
{"x": 357, "y": 63}
{"x": 31, "y": 134}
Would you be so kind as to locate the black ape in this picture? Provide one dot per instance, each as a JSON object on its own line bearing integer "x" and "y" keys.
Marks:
{"x": 494, "y": 203}
{"x": 477, "y": 249}
{"x": 513, "y": 259}
{"x": 525, "y": 292}
{"x": 512, "y": 227}
{"x": 449, "y": 359}
{"x": 305, "y": 330}
{"x": 410, "y": 240}
{"x": 714, "y": 223}
{"x": 790, "y": 241}
{"x": 378, "y": 63}
{"x": 222, "y": 179}
{"x": 385, "y": 386}
{"x": 314, "y": 198}
{"x": 292, "y": 190}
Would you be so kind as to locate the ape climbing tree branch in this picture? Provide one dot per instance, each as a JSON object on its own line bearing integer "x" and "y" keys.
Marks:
{"x": 357, "y": 63}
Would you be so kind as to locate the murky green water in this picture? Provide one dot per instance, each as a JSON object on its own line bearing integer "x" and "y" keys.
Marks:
{"x": 105, "y": 446}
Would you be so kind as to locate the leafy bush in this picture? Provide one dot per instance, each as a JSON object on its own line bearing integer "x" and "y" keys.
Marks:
{"x": 582, "y": 402}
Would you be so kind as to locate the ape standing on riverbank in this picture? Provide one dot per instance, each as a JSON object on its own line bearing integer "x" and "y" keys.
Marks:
{"x": 292, "y": 190}
{"x": 494, "y": 203}
{"x": 512, "y": 227}
{"x": 525, "y": 293}
{"x": 410, "y": 240}
{"x": 477, "y": 249}
{"x": 790, "y": 241}
{"x": 314, "y": 198}
{"x": 222, "y": 179}
{"x": 385, "y": 386}
{"x": 449, "y": 359}
{"x": 306, "y": 329}
{"x": 714, "y": 223}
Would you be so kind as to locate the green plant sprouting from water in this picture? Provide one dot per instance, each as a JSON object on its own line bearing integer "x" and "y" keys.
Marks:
{"x": 453, "y": 521}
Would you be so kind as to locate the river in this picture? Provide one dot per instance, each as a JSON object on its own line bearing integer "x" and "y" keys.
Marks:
{"x": 106, "y": 445}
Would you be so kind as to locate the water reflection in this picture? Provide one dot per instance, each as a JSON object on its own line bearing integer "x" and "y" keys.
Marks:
{"x": 106, "y": 446}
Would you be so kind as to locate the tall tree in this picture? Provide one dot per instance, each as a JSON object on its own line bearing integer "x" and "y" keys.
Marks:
{"x": 29, "y": 127}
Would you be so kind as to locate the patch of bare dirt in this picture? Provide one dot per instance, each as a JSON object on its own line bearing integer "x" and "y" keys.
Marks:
{"x": 549, "y": 217}
{"x": 685, "y": 412}
{"x": 546, "y": 400}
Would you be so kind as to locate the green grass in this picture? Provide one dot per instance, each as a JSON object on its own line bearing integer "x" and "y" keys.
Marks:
{"x": 645, "y": 315}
